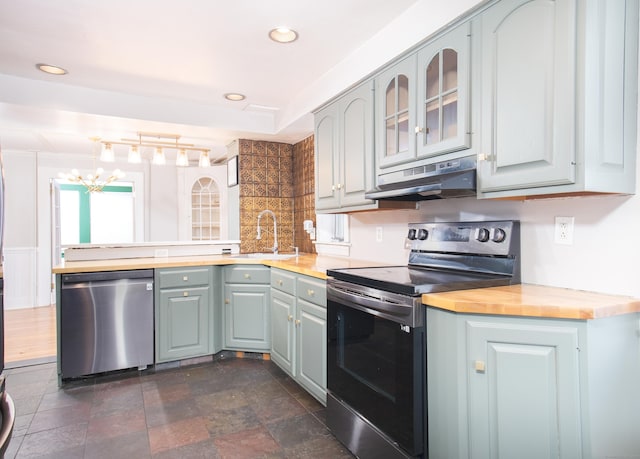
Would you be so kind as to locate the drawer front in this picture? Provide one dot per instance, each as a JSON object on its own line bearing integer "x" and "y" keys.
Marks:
{"x": 247, "y": 274}
{"x": 178, "y": 278}
{"x": 283, "y": 281}
{"x": 314, "y": 291}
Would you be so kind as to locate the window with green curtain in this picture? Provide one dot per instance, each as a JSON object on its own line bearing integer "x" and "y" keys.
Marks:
{"x": 101, "y": 217}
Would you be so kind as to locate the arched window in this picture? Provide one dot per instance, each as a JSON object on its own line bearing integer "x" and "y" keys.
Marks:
{"x": 205, "y": 210}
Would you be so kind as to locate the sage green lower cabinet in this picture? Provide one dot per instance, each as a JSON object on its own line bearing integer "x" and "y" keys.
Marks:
{"x": 283, "y": 330}
{"x": 532, "y": 387}
{"x": 299, "y": 329}
{"x": 311, "y": 346}
{"x": 246, "y": 308}
{"x": 183, "y": 312}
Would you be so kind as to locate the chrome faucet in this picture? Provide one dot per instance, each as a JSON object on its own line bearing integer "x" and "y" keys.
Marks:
{"x": 275, "y": 228}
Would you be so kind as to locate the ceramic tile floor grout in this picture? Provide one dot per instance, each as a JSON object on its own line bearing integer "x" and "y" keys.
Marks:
{"x": 229, "y": 408}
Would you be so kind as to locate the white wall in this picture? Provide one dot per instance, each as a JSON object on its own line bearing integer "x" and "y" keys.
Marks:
{"x": 28, "y": 216}
{"x": 20, "y": 173}
{"x": 603, "y": 257}
{"x": 163, "y": 204}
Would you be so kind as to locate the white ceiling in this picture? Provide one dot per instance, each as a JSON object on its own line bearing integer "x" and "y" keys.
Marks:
{"x": 164, "y": 65}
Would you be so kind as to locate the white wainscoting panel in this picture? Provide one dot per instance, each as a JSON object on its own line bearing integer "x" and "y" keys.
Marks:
{"x": 19, "y": 277}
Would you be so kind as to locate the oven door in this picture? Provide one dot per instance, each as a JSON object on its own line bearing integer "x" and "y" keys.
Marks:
{"x": 376, "y": 366}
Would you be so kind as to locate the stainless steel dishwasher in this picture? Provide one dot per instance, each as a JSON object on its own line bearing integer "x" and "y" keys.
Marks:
{"x": 106, "y": 322}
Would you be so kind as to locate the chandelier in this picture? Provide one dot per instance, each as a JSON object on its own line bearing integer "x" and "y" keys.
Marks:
{"x": 92, "y": 182}
{"x": 158, "y": 142}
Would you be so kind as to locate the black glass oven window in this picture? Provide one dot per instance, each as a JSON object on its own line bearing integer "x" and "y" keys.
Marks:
{"x": 376, "y": 367}
{"x": 368, "y": 353}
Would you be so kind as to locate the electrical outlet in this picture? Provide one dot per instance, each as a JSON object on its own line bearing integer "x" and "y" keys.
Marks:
{"x": 564, "y": 230}
{"x": 161, "y": 253}
{"x": 378, "y": 233}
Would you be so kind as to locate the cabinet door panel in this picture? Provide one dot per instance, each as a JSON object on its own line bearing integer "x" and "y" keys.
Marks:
{"x": 183, "y": 323}
{"x": 444, "y": 72}
{"x": 312, "y": 349}
{"x": 528, "y": 94}
{"x": 181, "y": 278}
{"x": 247, "y": 274}
{"x": 247, "y": 317}
{"x": 356, "y": 135}
{"x": 395, "y": 113}
{"x": 523, "y": 390}
{"x": 514, "y": 408}
{"x": 282, "y": 331}
{"x": 326, "y": 149}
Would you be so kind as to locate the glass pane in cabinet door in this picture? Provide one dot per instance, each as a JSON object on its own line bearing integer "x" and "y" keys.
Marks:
{"x": 403, "y": 92}
{"x": 449, "y": 69}
{"x": 391, "y": 136}
{"x": 450, "y": 115}
{"x": 403, "y": 132}
{"x": 432, "y": 115}
{"x": 433, "y": 77}
{"x": 390, "y": 107}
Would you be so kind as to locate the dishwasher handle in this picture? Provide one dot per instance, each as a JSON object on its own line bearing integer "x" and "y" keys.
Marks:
{"x": 106, "y": 276}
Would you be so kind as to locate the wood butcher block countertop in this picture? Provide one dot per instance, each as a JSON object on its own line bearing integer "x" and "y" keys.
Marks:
{"x": 311, "y": 265}
{"x": 515, "y": 300}
{"x": 533, "y": 301}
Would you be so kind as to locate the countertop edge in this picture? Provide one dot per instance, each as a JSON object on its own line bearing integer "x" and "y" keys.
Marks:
{"x": 522, "y": 300}
{"x": 529, "y": 300}
{"x": 307, "y": 264}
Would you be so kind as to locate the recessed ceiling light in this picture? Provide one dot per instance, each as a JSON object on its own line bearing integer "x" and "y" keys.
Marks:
{"x": 51, "y": 69}
{"x": 234, "y": 96}
{"x": 283, "y": 35}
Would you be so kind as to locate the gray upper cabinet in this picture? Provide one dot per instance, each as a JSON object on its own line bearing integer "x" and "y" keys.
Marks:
{"x": 559, "y": 97}
{"x": 396, "y": 113}
{"x": 326, "y": 153}
{"x": 423, "y": 104}
{"x": 444, "y": 109}
{"x": 344, "y": 151}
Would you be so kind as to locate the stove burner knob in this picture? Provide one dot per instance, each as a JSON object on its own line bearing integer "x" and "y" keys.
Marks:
{"x": 499, "y": 235}
{"x": 423, "y": 234}
{"x": 483, "y": 235}
{"x": 412, "y": 234}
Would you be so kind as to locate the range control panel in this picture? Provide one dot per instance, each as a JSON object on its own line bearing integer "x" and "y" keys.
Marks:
{"x": 482, "y": 238}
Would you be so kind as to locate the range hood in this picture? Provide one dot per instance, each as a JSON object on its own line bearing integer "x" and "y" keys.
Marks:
{"x": 447, "y": 179}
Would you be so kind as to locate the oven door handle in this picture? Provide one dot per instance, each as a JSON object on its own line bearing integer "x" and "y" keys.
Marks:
{"x": 405, "y": 314}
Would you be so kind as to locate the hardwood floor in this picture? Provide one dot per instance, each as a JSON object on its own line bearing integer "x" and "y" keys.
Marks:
{"x": 29, "y": 333}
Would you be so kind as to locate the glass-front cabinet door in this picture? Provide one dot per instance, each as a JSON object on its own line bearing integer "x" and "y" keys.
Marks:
{"x": 395, "y": 92}
{"x": 443, "y": 94}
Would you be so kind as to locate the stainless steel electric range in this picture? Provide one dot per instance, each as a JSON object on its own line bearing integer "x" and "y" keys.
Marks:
{"x": 376, "y": 354}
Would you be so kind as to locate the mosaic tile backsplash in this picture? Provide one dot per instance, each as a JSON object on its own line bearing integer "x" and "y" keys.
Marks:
{"x": 268, "y": 181}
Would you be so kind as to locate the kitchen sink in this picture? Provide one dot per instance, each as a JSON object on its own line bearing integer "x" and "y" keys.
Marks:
{"x": 265, "y": 256}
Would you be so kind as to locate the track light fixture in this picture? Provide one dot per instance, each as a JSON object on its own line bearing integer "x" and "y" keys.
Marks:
{"x": 158, "y": 142}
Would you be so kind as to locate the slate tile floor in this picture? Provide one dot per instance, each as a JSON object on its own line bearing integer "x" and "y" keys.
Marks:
{"x": 228, "y": 408}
